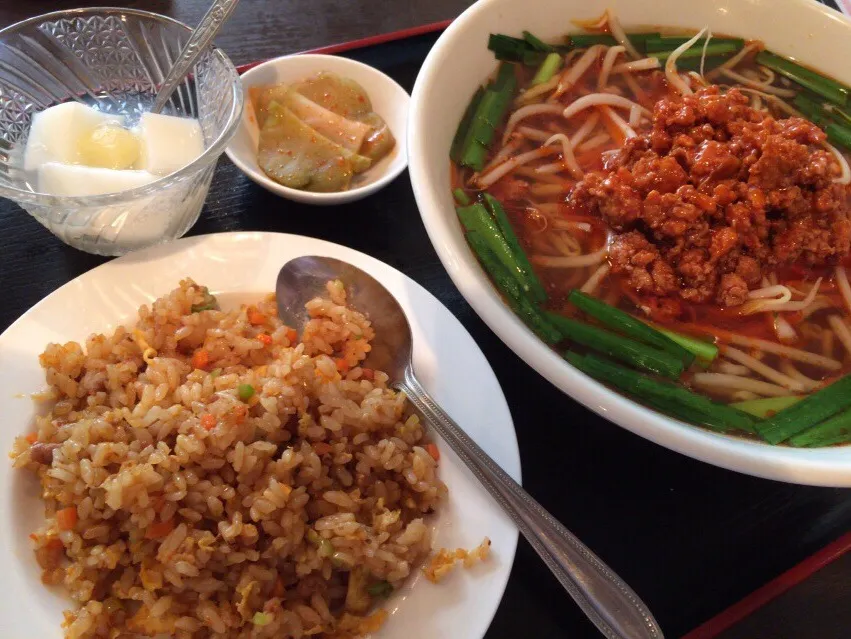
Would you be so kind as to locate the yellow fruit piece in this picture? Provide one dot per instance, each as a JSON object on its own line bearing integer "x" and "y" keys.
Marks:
{"x": 109, "y": 146}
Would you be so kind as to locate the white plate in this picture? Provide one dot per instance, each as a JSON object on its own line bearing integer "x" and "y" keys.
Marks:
{"x": 447, "y": 360}
{"x": 389, "y": 100}
{"x": 460, "y": 61}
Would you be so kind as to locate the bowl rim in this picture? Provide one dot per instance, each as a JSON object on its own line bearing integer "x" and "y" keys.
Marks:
{"x": 823, "y": 467}
{"x": 393, "y": 170}
{"x": 209, "y": 156}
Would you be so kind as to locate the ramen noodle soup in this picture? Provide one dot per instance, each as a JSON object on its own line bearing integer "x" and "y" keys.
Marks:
{"x": 671, "y": 212}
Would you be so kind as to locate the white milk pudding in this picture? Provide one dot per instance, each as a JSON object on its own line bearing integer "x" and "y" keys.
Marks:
{"x": 75, "y": 150}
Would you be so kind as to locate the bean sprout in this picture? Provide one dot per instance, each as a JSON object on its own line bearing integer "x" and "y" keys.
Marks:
{"x": 671, "y": 74}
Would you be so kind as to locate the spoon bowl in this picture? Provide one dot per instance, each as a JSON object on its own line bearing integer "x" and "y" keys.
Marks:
{"x": 607, "y": 601}
{"x": 306, "y": 277}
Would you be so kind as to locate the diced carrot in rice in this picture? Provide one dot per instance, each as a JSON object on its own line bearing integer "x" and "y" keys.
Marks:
{"x": 159, "y": 529}
{"x": 444, "y": 560}
{"x": 353, "y": 625}
{"x": 49, "y": 556}
{"x": 32, "y": 438}
{"x": 373, "y": 622}
{"x": 278, "y": 590}
{"x": 151, "y": 625}
{"x": 208, "y": 421}
{"x": 292, "y": 335}
{"x": 200, "y": 359}
{"x": 66, "y": 518}
{"x": 433, "y": 450}
{"x": 265, "y": 339}
{"x": 54, "y": 544}
{"x": 255, "y": 317}
{"x": 322, "y": 448}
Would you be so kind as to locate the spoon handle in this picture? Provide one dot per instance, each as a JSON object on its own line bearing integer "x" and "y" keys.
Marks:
{"x": 608, "y": 602}
{"x": 202, "y": 36}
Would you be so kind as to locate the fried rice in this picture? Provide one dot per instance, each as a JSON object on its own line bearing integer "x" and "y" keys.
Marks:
{"x": 207, "y": 474}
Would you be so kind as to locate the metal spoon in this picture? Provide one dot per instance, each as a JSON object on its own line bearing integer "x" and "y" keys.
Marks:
{"x": 609, "y": 603}
{"x": 202, "y": 36}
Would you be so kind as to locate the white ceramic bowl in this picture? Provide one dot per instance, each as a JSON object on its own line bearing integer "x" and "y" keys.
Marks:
{"x": 389, "y": 100}
{"x": 460, "y": 61}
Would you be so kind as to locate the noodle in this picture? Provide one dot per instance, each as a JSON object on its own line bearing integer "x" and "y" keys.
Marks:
{"x": 554, "y": 167}
{"x": 758, "y": 367}
{"x": 808, "y": 383}
{"x": 827, "y": 343}
{"x": 734, "y": 383}
{"x": 743, "y": 396}
{"x": 566, "y": 244}
{"x": 790, "y": 352}
{"x": 784, "y": 330}
{"x": 533, "y": 174}
{"x": 570, "y": 262}
{"x": 612, "y": 89}
{"x": 533, "y": 134}
{"x": 770, "y": 76}
{"x": 593, "y": 282}
{"x": 841, "y": 329}
{"x": 547, "y": 190}
{"x": 732, "y": 369}
{"x": 593, "y": 143}
{"x": 535, "y": 214}
{"x": 844, "y": 286}
{"x": 586, "y": 128}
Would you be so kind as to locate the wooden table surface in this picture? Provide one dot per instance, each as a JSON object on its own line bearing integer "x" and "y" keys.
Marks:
{"x": 262, "y": 29}
{"x": 690, "y": 538}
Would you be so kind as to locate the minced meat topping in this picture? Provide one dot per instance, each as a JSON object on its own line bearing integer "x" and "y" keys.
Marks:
{"x": 714, "y": 196}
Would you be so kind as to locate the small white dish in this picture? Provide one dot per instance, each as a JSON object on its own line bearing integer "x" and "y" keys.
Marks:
{"x": 244, "y": 266}
{"x": 389, "y": 100}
